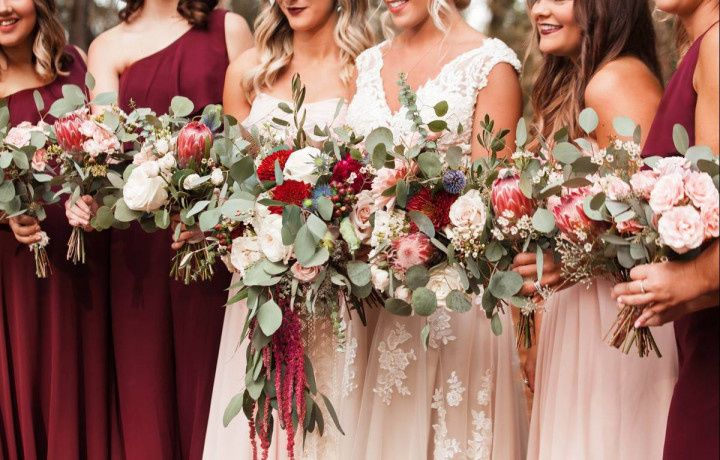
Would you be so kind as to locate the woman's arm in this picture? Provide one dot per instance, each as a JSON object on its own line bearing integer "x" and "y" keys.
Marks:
{"x": 104, "y": 63}
{"x": 707, "y": 82}
{"x": 235, "y": 100}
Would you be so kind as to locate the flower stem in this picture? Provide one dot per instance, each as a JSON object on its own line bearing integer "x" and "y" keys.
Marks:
{"x": 76, "y": 246}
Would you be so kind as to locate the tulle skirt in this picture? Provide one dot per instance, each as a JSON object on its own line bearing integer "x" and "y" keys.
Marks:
{"x": 339, "y": 369}
{"x": 591, "y": 400}
{"x": 462, "y": 398}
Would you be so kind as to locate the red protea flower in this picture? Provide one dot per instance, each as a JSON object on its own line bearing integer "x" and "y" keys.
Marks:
{"x": 570, "y": 217}
{"x": 410, "y": 250}
{"x": 193, "y": 143}
{"x": 345, "y": 168}
{"x": 266, "y": 170}
{"x": 67, "y": 131}
{"x": 508, "y": 200}
{"x": 290, "y": 192}
{"x": 435, "y": 206}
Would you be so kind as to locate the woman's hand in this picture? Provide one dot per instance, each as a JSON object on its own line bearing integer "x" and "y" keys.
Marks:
{"x": 80, "y": 213}
{"x": 670, "y": 289}
{"x": 525, "y": 264}
{"x": 192, "y": 236}
{"x": 26, "y": 229}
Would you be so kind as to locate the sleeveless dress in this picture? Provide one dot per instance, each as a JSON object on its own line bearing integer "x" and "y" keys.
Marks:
{"x": 166, "y": 334}
{"x": 694, "y": 420}
{"x": 338, "y": 370}
{"x": 592, "y": 401}
{"x": 56, "y": 373}
{"x": 463, "y": 397}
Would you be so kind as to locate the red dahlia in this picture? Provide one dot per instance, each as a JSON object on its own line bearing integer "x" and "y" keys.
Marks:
{"x": 345, "y": 168}
{"x": 290, "y": 192}
{"x": 266, "y": 170}
{"x": 435, "y": 206}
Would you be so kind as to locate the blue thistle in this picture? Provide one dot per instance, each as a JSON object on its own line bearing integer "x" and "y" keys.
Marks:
{"x": 319, "y": 192}
{"x": 454, "y": 182}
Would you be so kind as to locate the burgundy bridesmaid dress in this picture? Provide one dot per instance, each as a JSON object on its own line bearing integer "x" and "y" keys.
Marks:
{"x": 56, "y": 371}
{"x": 166, "y": 334}
{"x": 694, "y": 419}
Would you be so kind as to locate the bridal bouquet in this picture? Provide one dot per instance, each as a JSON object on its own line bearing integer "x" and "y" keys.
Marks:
{"x": 25, "y": 175}
{"x": 637, "y": 211}
{"x": 89, "y": 147}
{"x": 299, "y": 256}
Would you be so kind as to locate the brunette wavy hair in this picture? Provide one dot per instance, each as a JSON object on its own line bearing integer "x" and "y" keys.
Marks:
{"x": 610, "y": 29}
{"x": 196, "y": 12}
{"x": 48, "y": 42}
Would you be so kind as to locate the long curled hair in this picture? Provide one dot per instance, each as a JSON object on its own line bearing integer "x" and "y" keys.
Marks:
{"x": 274, "y": 42}
{"x": 610, "y": 29}
{"x": 49, "y": 58}
{"x": 196, "y": 12}
{"x": 438, "y": 9}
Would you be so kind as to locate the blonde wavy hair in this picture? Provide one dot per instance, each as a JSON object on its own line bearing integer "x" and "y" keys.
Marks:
{"x": 438, "y": 10}
{"x": 49, "y": 57}
{"x": 273, "y": 40}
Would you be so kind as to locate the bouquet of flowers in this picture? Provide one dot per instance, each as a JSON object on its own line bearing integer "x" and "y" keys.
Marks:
{"x": 520, "y": 222}
{"x": 25, "y": 176}
{"x": 636, "y": 211}
{"x": 90, "y": 149}
{"x": 299, "y": 256}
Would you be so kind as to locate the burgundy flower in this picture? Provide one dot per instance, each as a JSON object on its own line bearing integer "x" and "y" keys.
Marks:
{"x": 193, "y": 143}
{"x": 67, "y": 131}
{"x": 345, "y": 168}
{"x": 435, "y": 206}
{"x": 290, "y": 192}
{"x": 266, "y": 169}
{"x": 508, "y": 200}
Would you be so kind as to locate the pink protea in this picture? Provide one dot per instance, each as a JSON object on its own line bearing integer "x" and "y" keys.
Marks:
{"x": 68, "y": 133}
{"x": 570, "y": 217}
{"x": 507, "y": 199}
{"x": 193, "y": 143}
{"x": 410, "y": 250}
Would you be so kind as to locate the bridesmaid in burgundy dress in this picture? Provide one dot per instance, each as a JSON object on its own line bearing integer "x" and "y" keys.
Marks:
{"x": 166, "y": 335}
{"x": 56, "y": 398}
{"x": 691, "y": 99}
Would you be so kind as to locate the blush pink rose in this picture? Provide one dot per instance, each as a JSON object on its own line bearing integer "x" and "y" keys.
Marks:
{"x": 672, "y": 165}
{"x": 413, "y": 249}
{"x": 385, "y": 179}
{"x": 643, "y": 183}
{"x": 668, "y": 192}
{"x": 615, "y": 188}
{"x": 682, "y": 229}
{"x": 360, "y": 215}
{"x": 19, "y": 136}
{"x": 304, "y": 274}
{"x": 711, "y": 220}
{"x": 39, "y": 160}
{"x": 699, "y": 187}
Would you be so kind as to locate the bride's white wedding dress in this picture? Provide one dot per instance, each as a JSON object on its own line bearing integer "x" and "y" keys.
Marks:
{"x": 463, "y": 397}
{"x": 338, "y": 370}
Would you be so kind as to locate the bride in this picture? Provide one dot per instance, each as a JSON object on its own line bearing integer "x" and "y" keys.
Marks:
{"x": 319, "y": 40}
{"x": 462, "y": 397}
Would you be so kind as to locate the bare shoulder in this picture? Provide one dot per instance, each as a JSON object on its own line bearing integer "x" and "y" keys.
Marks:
{"x": 106, "y": 44}
{"x": 622, "y": 77}
{"x": 246, "y": 60}
{"x": 709, "y": 49}
{"x": 236, "y": 25}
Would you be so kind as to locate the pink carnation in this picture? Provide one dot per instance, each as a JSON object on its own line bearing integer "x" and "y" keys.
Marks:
{"x": 413, "y": 249}
{"x": 700, "y": 188}
{"x": 643, "y": 183}
{"x": 668, "y": 192}
{"x": 711, "y": 220}
{"x": 682, "y": 229}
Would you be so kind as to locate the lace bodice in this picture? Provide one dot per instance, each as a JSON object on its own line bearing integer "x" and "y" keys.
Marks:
{"x": 457, "y": 83}
{"x": 320, "y": 113}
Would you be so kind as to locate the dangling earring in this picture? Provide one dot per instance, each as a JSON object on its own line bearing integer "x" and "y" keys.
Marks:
{"x": 339, "y": 7}
{"x": 272, "y": 2}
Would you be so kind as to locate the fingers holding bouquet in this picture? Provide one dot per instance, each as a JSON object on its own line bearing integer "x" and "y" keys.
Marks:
{"x": 80, "y": 212}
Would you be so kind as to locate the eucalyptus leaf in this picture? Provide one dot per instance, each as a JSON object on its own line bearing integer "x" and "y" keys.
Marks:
{"x": 504, "y": 285}
{"x": 423, "y": 222}
{"x": 521, "y": 133}
{"x": 358, "y": 272}
{"x": 496, "y": 325}
{"x": 681, "y": 139}
{"x": 543, "y": 221}
{"x": 441, "y": 108}
{"x": 317, "y": 227}
{"x": 325, "y": 208}
{"x": 458, "y": 301}
{"x": 430, "y": 164}
{"x": 181, "y": 106}
{"x": 398, "y": 307}
{"x": 588, "y": 120}
{"x": 416, "y": 277}
{"x": 305, "y": 245}
{"x": 233, "y": 409}
{"x": 437, "y": 126}
{"x": 624, "y": 126}
{"x": 566, "y": 153}
{"x": 269, "y": 317}
{"x": 424, "y": 301}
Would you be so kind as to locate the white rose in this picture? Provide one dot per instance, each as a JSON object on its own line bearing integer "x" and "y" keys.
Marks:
{"x": 380, "y": 278}
{"x": 444, "y": 279}
{"x": 144, "y": 189}
{"x": 19, "y": 136}
{"x": 403, "y": 293}
{"x": 167, "y": 162}
{"x": 192, "y": 181}
{"x": 468, "y": 210}
{"x": 682, "y": 229}
{"x": 270, "y": 238}
{"x": 162, "y": 146}
{"x": 245, "y": 252}
{"x": 301, "y": 165}
{"x": 217, "y": 177}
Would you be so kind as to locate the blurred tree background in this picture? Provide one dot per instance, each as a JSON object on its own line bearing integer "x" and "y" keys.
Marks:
{"x": 504, "y": 19}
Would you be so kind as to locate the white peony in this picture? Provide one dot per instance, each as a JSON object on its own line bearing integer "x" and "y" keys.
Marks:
{"x": 192, "y": 181}
{"x": 217, "y": 177}
{"x": 145, "y": 190}
{"x": 444, "y": 279}
{"x": 380, "y": 278}
{"x": 245, "y": 252}
{"x": 682, "y": 228}
{"x": 270, "y": 239}
{"x": 167, "y": 163}
{"x": 20, "y": 135}
{"x": 468, "y": 210}
{"x": 301, "y": 166}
